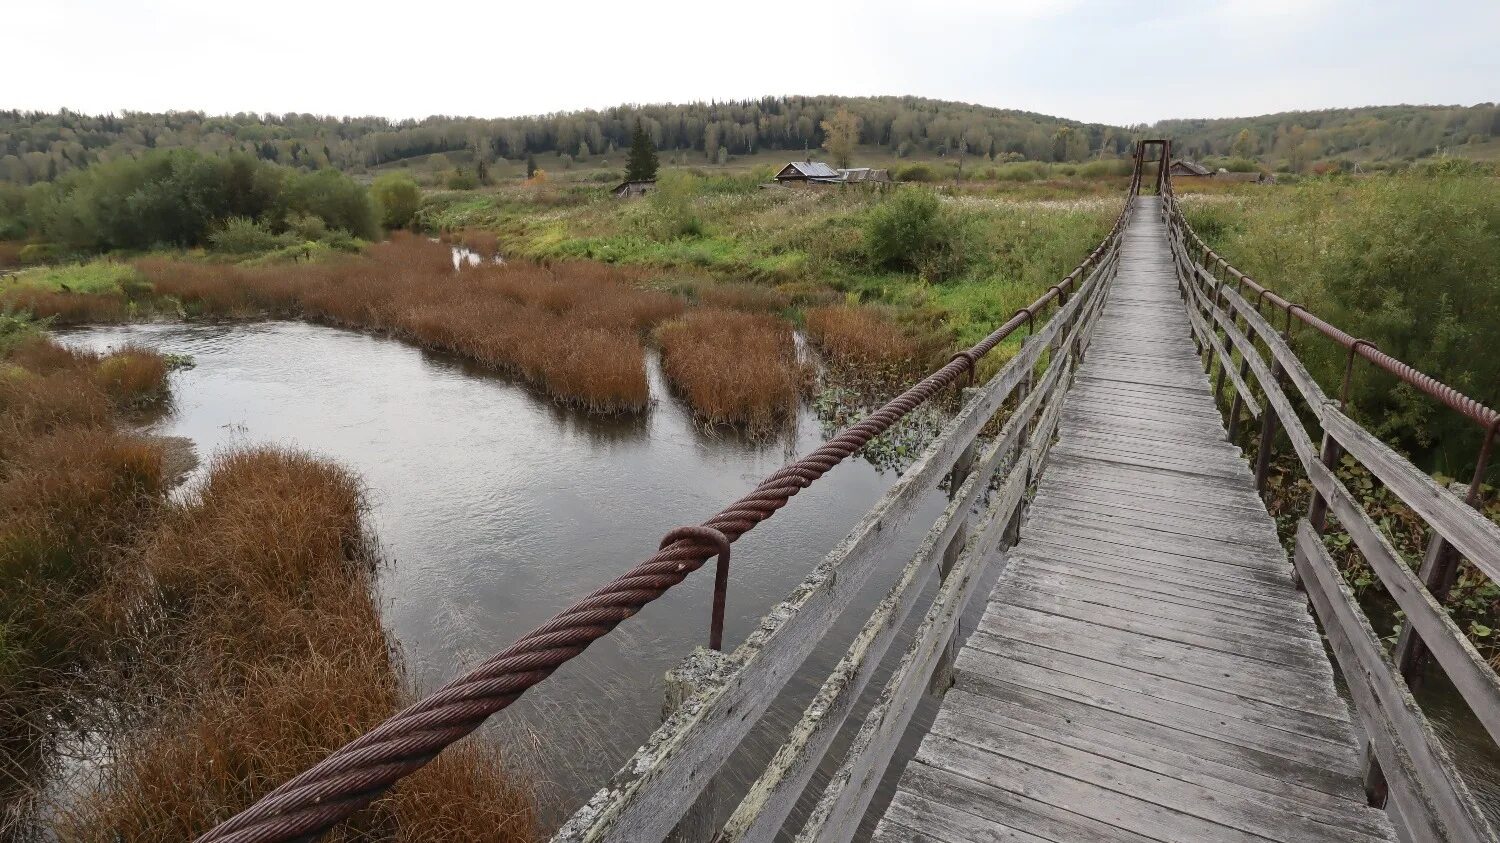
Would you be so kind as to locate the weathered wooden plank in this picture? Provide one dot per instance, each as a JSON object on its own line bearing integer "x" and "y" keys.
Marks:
{"x": 1243, "y": 809}
{"x": 1127, "y": 811}
{"x": 1421, "y": 773}
{"x": 1012, "y": 809}
{"x": 772, "y": 796}
{"x": 940, "y": 821}
{"x": 1133, "y": 742}
{"x": 1232, "y": 598}
{"x": 1285, "y": 685}
{"x": 1301, "y": 771}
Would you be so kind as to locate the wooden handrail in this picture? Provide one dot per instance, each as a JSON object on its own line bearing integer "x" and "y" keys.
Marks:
{"x": 1428, "y": 796}
{"x": 659, "y": 785}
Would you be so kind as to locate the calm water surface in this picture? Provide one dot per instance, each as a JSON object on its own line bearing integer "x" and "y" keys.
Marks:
{"x": 497, "y": 507}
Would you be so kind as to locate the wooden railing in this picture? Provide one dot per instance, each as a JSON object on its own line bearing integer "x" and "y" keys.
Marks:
{"x": 715, "y": 699}
{"x": 1408, "y": 769}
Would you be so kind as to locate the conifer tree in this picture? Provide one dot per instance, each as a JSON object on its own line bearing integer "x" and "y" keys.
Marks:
{"x": 642, "y": 163}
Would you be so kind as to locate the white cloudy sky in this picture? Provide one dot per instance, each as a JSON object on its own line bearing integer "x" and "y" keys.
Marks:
{"x": 1097, "y": 60}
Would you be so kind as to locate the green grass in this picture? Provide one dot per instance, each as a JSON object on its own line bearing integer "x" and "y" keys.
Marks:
{"x": 97, "y": 276}
{"x": 807, "y": 242}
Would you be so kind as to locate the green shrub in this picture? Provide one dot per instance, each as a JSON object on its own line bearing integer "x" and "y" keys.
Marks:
{"x": 912, "y": 230}
{"x": 916, "y": 173}
{"x": 672, "y": 211}
{"x": 243, "y": 236}
{"x": 33, "y": 254}
{"x": 461, "y": 180}
{"x": 1408, "y": 262}
{"x": 398, "y": 197}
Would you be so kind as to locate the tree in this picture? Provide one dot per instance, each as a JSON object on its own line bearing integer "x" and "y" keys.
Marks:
{"x": 398, "y": 197}
{"x": 1243, "y": 146}
{"x": 840, "y": 134}
{"x": 482, "y": 171}
{"x": 530, "y": 165}
{"x": 642, "y": 163}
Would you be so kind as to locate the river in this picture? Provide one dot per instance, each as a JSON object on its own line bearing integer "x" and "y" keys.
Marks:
{"x": 495, "y": 507}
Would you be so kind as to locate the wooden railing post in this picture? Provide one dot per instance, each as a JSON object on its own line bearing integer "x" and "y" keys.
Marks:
{"x": 1439, "y": 570}
{"x": 1267, "y": 433}
{"x": 942, "y": 674}
{"x": 701, "y": 670}
{"x": 1013, "y": 528}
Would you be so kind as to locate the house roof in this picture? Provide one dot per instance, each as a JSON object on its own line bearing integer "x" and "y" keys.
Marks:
{"x": 811, "y": 170}
{"x": 1191, "y": 166}
{"x": 865, "y": 174}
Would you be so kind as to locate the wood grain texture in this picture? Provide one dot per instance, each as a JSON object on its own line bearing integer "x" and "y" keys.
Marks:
{"x": 1145, "y": 668}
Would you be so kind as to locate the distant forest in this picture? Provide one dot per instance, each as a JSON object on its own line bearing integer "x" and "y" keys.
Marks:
{"x": 39, "y": 146}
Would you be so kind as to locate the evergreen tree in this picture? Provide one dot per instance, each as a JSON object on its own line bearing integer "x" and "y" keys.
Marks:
{"x": 642, "y": 163}
{"x": 530, "y": 165}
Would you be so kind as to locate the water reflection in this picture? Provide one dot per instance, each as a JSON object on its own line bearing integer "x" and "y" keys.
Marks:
{"x": 497, "y": 507}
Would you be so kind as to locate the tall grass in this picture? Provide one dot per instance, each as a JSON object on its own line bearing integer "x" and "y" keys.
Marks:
{"x": 734, "y": 367}
{"x": 1410, "y": 263}
{"x": 270, "y": 654}
{"x": 74, "y": 491}
{"x": 861, "y": 336}
{"x": 572, "y": 329}
{"x": 233, "y": 637}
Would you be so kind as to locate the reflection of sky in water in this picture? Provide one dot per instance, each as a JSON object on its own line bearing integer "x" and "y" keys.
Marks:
{"x": 497, "y": 507}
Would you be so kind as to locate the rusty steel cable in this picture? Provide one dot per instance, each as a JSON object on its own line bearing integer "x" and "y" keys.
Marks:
{"x": 1444, "y": 394}
{"x": 354, "y": 775}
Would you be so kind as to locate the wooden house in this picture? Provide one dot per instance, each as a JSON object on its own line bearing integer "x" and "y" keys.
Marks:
{"x": 1182, "y": 168}
{"x": 629, "y": 189}
{"x": 805, "y": 172}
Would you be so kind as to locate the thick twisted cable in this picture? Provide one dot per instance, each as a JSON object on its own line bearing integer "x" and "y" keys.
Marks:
{"x": 352, "y": 776}
{"x": 358, "y": 772}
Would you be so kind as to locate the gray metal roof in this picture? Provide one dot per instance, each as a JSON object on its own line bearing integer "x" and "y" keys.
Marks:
{"x": 814, "y": 169}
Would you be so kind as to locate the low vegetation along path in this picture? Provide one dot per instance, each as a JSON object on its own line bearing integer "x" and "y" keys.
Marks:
{"x": 1145, "y": 669}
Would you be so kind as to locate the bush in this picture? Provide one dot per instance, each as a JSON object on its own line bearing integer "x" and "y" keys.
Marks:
{"x": 398, "y": 197}
{"x": 916, "y": 173}
{"x": 461, "y": 180}
{"x": 673, "y": 215}
{"x": 911, "y": 230}
{"x": 33, "y": 254}
{"x": 243, "y": 236}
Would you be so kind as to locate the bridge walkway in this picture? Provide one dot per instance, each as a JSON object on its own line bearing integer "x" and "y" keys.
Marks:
{"x": 1145, "y": 669}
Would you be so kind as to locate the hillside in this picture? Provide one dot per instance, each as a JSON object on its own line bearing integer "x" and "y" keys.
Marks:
{"x": 1376, "y": 133}
{"x": 37, "y": 146}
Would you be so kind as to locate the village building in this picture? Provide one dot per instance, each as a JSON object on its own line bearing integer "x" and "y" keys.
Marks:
{"x": 1181, "y": 168}
{"x": 628, "y": 189}
{"x": 812, "y": 173}
{"x": 804, "y": 172}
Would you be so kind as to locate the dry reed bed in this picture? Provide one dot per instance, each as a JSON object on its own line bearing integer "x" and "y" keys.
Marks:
{"x": 734, "y": 367}
{"x": 573, "y": 330}
{"x": 267, "y": 654}
{"x": 74, "y": 489}
{"x": 234, "y": 634}
{"x": 863, "y": 336}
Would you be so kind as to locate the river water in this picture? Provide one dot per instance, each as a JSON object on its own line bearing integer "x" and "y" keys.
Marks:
{"x": 495, "y": 507}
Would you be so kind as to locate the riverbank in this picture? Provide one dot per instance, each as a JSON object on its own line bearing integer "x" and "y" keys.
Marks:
{"x": 238, "y": 622}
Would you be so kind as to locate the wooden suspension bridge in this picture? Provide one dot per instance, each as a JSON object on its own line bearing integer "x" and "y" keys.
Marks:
{"x": 1150, "y": 663}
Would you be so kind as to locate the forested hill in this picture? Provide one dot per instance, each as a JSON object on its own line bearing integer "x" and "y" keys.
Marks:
{"x": 40, "y": 146}
{"x": 36, "y": 146}
{"x": 1376, "y": 133}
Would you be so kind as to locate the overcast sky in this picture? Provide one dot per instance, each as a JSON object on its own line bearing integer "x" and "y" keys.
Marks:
{"x": 1114, "y": 62}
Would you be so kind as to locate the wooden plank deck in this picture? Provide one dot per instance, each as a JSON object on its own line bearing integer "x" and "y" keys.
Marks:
{"x": 1144, "y": 670}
